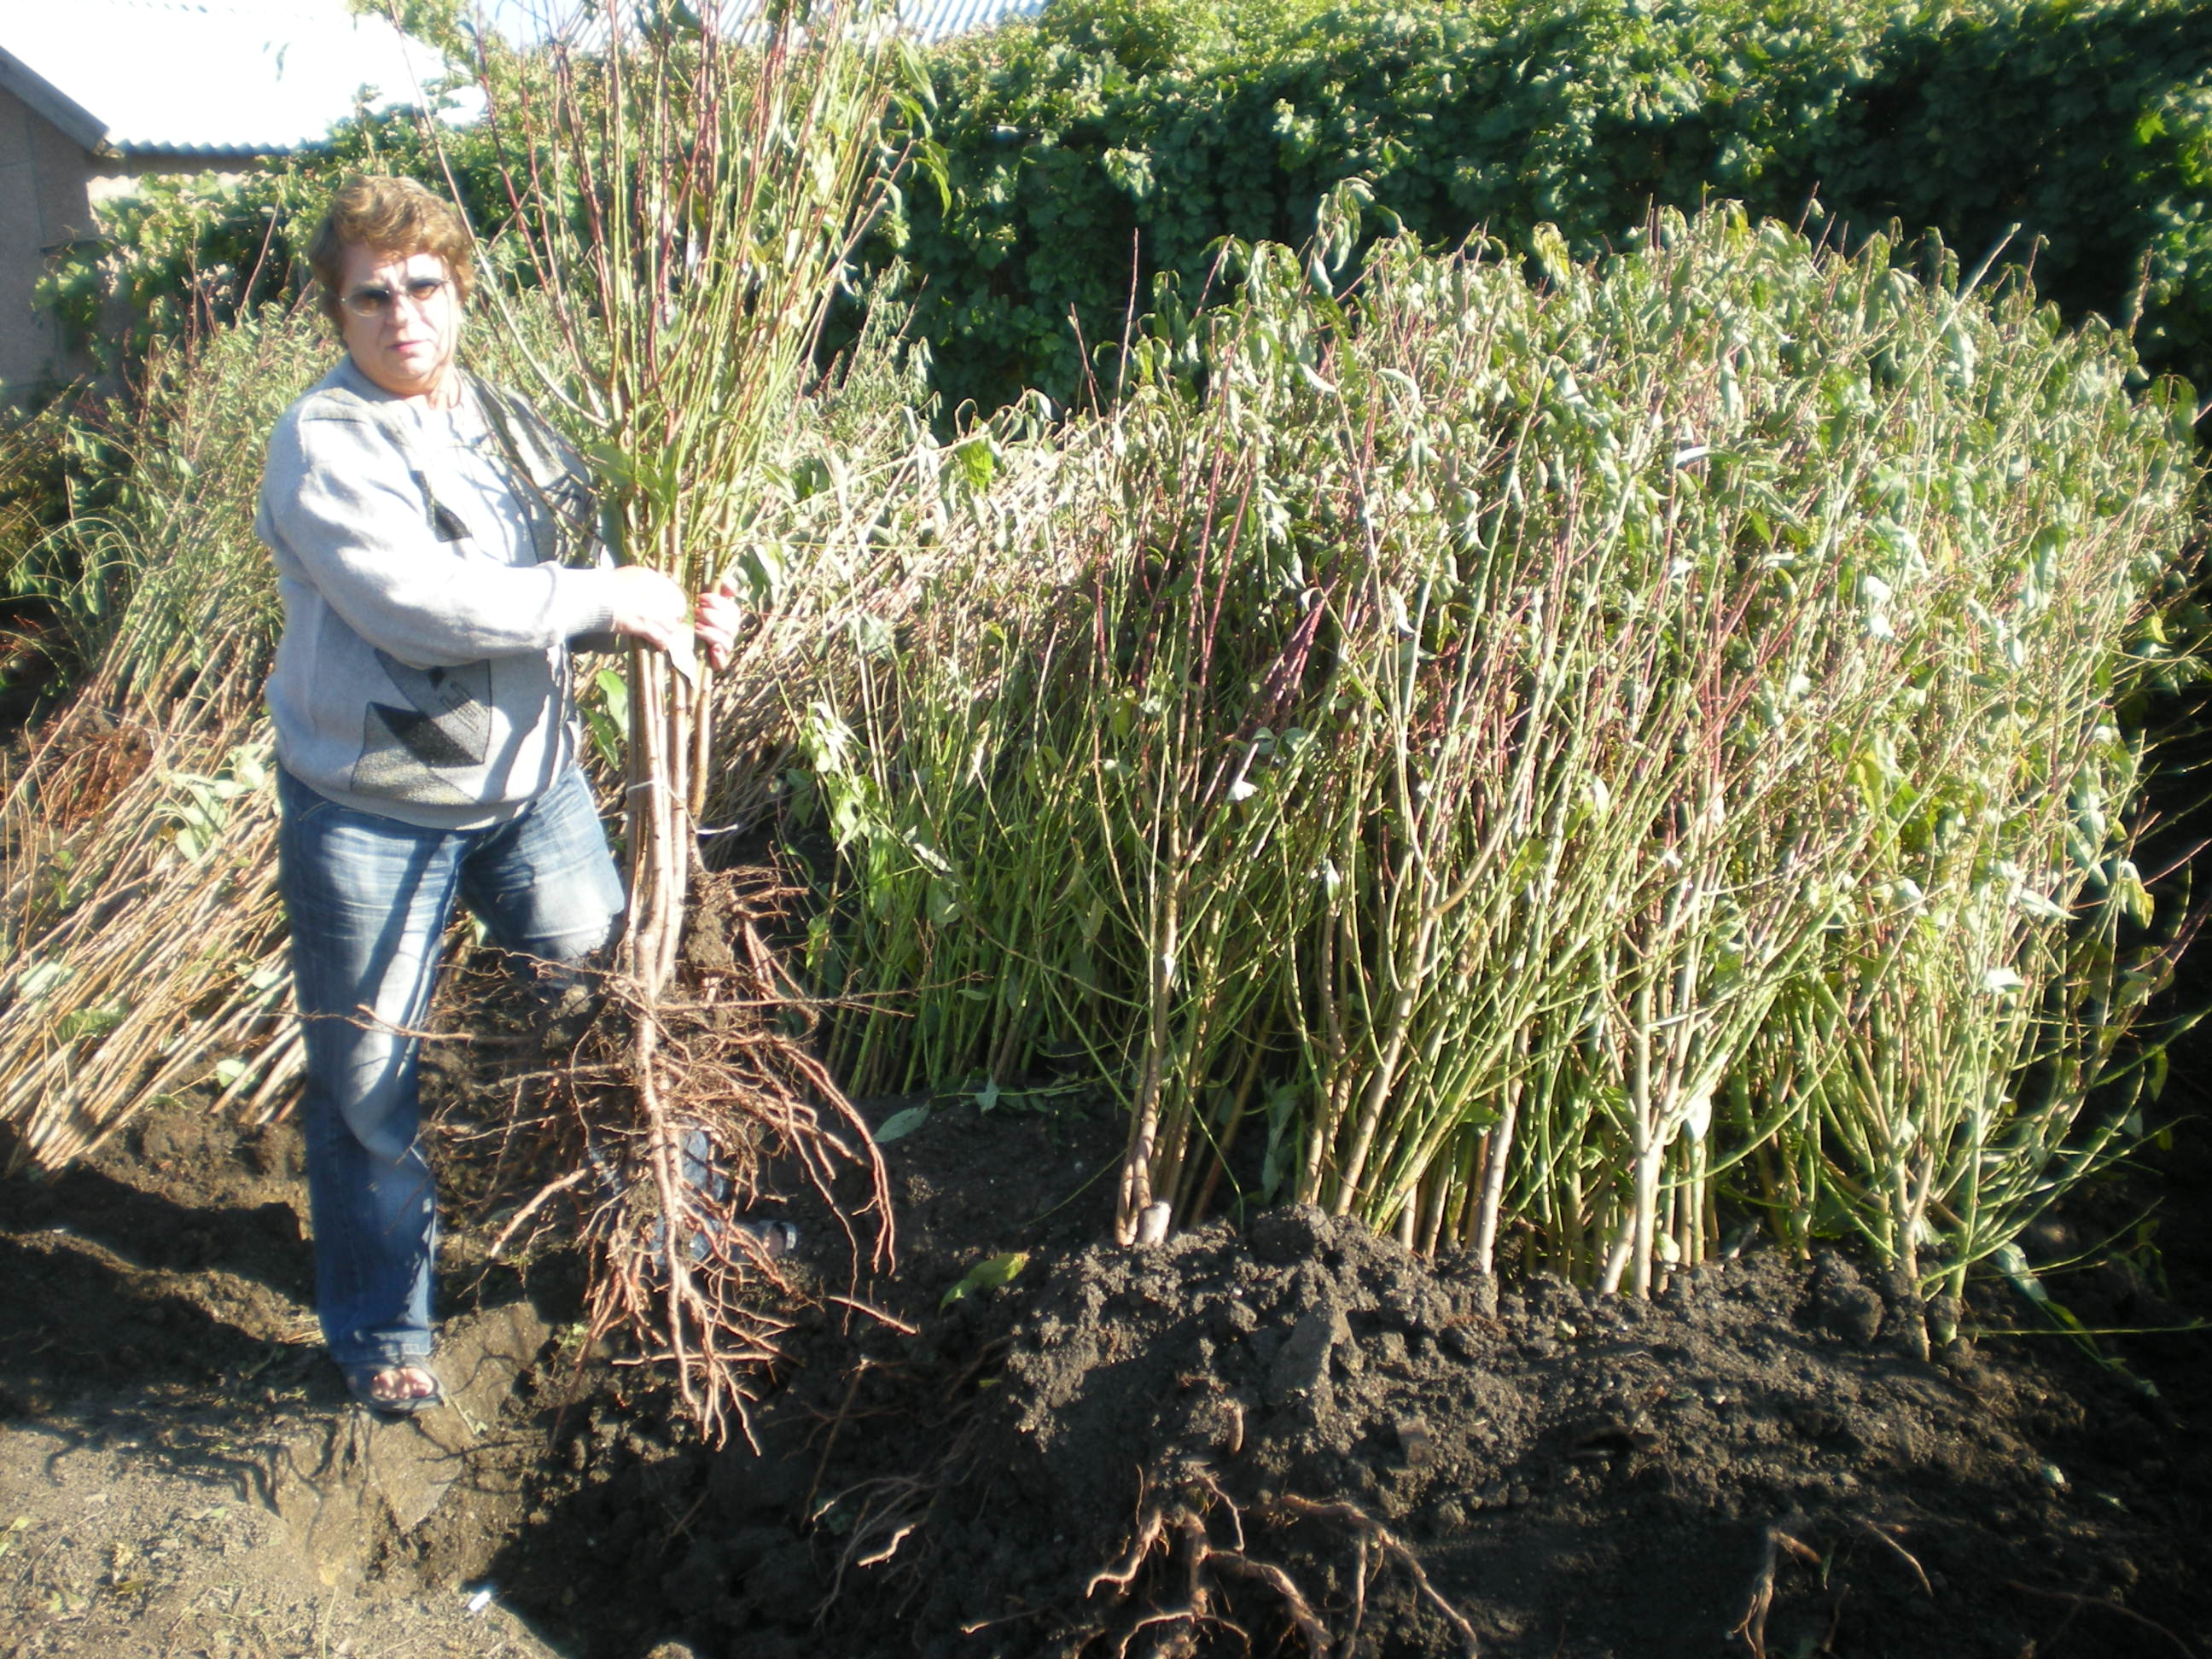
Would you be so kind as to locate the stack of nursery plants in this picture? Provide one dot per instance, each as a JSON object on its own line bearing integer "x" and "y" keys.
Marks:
{"x": 138, "y": 918}
{"x": 687, "y": 202}
{"x": 1557, "y": 770}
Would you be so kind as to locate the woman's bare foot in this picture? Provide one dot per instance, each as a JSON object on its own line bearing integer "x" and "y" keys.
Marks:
{"x": 406, "y": 1387}
{"x": 398, "y": 1384}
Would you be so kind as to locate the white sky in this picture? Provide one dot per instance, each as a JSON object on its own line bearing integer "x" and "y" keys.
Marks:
{"x": 524, "y": 20}
{"x": 214, "y": 73}
{"x": 244, "y": 75}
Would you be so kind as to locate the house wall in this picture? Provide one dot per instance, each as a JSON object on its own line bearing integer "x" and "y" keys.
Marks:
{"x": 42, "y": 205}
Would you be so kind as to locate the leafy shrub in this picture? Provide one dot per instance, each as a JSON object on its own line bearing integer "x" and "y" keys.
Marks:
{"x": 1117, "y": 139}
{"x": 1554, "y": 770}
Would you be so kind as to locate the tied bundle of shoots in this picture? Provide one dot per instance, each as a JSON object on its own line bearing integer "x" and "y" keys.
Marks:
{"x": 688, "y": 200}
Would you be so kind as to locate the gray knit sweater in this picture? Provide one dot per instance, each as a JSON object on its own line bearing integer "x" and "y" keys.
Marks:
{"x": 423, "y": 670}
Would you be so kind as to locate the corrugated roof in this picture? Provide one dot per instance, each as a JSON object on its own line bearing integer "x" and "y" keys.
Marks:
{"x": 939, "y": 19}
{"x": 528, "y": 21}
{"x": 214, "y": 76}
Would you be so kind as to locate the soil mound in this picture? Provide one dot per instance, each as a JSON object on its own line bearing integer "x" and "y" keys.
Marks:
{"x": 1297, "y": 1439}
{"x": 1309, "y": 1440}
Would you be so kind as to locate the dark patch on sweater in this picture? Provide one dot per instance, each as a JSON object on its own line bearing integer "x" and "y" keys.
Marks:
{"x": 447, "y": 523}
{"x": 444, "y": 727}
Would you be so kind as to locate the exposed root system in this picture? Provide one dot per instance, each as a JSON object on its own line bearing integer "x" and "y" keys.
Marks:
{"x": 1190, "y": 1579}
{"x": 653, "y": 1145}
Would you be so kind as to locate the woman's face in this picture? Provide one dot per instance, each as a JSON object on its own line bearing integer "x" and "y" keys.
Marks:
{"x": 402, "y": 341}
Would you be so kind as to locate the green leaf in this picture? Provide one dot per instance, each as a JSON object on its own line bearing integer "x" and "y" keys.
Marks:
{"x": 977, "y": 463}
{"x": 990, "y": 1273}
{"x": 35, "y": 979}
{"x": 90, "y": 1022}
{"x": 899, "y": 1125}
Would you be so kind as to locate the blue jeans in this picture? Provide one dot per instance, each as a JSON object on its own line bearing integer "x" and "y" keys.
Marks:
{"x": 368, "y": 899}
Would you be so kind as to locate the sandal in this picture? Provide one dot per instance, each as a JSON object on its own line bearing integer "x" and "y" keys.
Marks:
{"x": 776, "y": 1239}
{"x": 770, "y": 1240}
{"x": 360, "y": 1383}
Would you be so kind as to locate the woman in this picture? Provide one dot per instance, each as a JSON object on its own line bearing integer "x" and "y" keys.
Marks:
{"x": 426, "y": 732}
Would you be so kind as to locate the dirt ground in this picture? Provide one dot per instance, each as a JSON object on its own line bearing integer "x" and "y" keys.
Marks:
{"x": 1296, "y": 1440}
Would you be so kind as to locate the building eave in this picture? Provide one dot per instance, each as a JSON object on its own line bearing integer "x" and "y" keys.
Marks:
{"x": 132, "y": 149}
{"x": 78, "y": 124}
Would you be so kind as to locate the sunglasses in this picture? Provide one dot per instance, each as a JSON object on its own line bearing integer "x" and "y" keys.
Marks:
{"x": 376, "y": 300}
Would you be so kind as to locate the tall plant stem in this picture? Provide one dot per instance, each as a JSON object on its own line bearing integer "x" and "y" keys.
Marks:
{"x": 658, "y": 813}
{"x": 1498, "y": 1154}
{"x": 665, "y": 1156}
{"x": 1145, "y": 1121}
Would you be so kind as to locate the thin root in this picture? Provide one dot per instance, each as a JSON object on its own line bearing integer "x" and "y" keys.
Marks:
{"x": 1204, "y": 1564}
{"x": 1911, "y": 1559}
{"x": 1375, "y": 1534}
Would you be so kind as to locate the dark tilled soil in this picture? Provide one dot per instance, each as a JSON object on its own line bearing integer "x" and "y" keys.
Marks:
{"x": 1296, "y": 1438}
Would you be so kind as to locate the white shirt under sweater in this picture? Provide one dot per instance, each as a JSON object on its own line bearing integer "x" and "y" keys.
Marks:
{"x": 423, "y": 670}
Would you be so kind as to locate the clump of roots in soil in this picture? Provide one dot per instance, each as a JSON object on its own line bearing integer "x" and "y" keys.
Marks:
{"x": 1192, "y": 1575}
{"x": 1200, "y": 1573}
{"x": 666, "y": 1183}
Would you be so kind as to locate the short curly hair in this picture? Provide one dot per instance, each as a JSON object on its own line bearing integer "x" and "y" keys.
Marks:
{"x": 395, "y": 216}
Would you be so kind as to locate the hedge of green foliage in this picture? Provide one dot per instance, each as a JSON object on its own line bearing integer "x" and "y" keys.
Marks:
{"x": 1117, "y": 140}
{"x": 1113, "y": 130}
